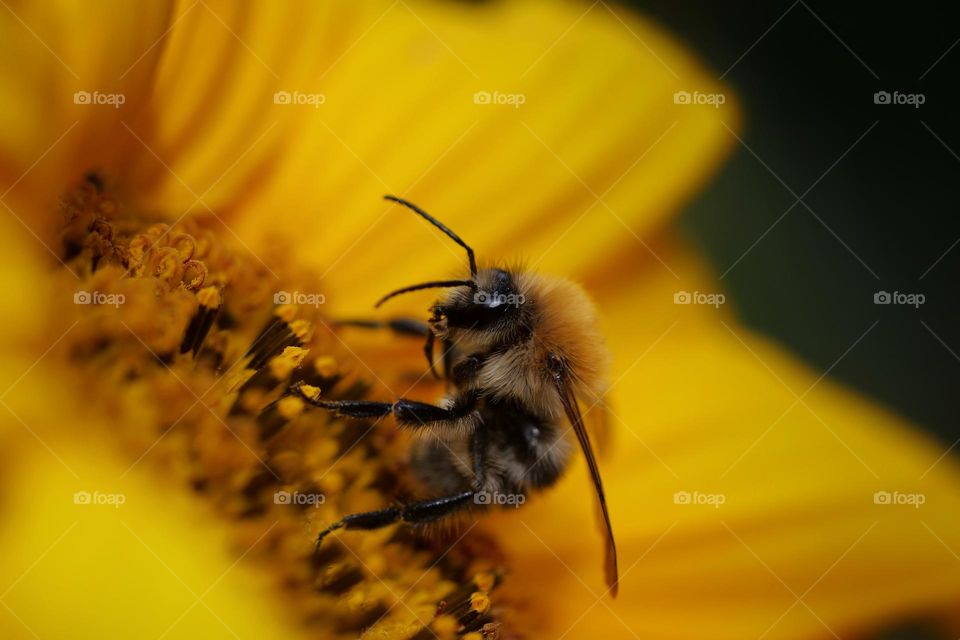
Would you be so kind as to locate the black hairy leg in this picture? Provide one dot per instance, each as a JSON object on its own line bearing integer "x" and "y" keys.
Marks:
{"x": 413, "y": 513}
{"x": 399, "y": 326}
{"x": 408, "y": 413}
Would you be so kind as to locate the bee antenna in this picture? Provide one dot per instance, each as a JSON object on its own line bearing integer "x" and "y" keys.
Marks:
{"x": 428, "y": 285}
{"x": 441, "y": 226}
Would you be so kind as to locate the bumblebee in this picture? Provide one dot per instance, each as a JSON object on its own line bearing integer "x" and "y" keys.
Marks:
{"x": 520, "y": 349}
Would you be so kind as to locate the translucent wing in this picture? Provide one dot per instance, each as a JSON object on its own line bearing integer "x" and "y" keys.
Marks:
{"x": 561, "y": 380}
{"x": 598, "y": 420}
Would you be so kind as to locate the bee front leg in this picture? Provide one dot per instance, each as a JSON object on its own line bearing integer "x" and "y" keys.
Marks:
{"x": 399, "y": 326}
{"x": 413, "y": 513}
{"x": 409, "y": 413}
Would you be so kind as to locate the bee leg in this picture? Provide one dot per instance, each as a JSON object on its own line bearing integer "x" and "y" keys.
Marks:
{"x": 409, "y": 413}
{"x": 356, "y": 408}
{"x": 446, "y": 355}
{"x": 400, "y": 326}
{"x": 413, "y": 513}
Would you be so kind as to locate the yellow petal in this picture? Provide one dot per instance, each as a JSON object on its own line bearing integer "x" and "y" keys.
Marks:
{"x": 71, "y": 75}
{"x": 389, "y": 95}
{"x": 732, "y": 499}
{"x": 108, "y": 555}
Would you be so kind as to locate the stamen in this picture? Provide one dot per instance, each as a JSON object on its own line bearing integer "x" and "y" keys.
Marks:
{"x": 210, "y": 300}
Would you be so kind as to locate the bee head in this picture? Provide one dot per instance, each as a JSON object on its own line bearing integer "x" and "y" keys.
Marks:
{"x": 493, "y": 306}
{"x": 489, "y": 300}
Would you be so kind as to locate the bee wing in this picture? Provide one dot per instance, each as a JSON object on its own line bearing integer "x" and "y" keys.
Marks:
{"x": 569, "y": 401}
{"x": 598, "y": 424}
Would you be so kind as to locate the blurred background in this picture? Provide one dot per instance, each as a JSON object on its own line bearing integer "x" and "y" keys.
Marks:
{"x": 878, "y": 183}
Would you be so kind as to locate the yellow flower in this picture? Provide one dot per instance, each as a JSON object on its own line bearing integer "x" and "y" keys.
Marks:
{"x": 179, "y": 165}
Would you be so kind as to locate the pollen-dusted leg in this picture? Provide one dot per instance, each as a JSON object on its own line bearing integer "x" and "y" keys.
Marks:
{"x": 408, "y": 413}
{"x": 413, "y": 513}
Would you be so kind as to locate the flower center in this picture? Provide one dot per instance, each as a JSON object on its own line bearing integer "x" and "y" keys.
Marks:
{"x": 183, "y": 346}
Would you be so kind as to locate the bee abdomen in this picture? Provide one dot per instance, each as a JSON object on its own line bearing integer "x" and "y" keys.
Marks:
{"x": 529, "y": 450}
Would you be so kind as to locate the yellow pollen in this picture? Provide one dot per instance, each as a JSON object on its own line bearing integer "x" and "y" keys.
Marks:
{"x": 185, "y": 245}
{"x": 479, "y": 602}
{"x": 283, "y": 365}
{"x": 168, "y": 266}
{"x": 286, "y": 312}
{"x": 326, "y": 366}
{"x": 445, "y": 626}
{"x": 310, "y": 391}
{"x": 484, "y": 581}
{"x": 302, "y": 329}
{"x": 290, "y": 407}
{"x": 209, "y": 297}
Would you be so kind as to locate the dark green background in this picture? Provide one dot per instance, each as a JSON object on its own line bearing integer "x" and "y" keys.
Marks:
{"x": 892, "y": 200}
